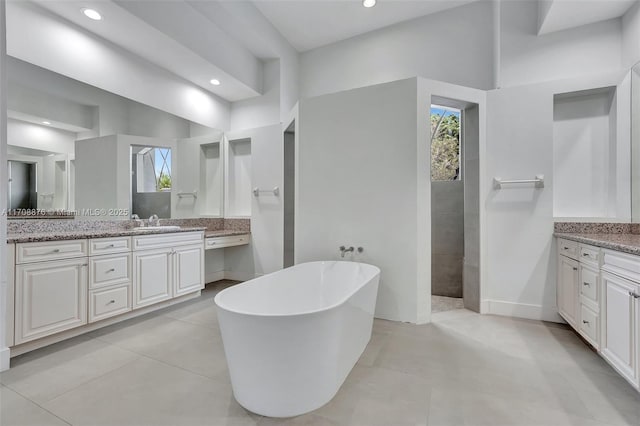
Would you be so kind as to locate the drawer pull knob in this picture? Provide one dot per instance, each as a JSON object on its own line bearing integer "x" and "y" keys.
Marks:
{"x": 112, "y": 270}
{"x": 56, "y": 250}
{"x": 585, "y": 322}
{"x": 111, "y": 301}
{"x": 575, "y": 269}
{"x": 586, "y": 283}
{"x": 585, "y": 254}
{"x": 111, "y": 245}
{"x": 566, "y": 248}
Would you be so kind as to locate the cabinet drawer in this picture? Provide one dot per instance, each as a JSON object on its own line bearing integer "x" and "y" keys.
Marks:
{"x": 51, "y": 250}
{"x": 622, "y": 264}
{"x": 568, "y": 248}
{"x": 109, "y": 245}
{"x": 108, "y": 302}
{"x": 227, "y": 241}
{"x": 167, "y": 240}
{"x": 589, "y": 283}
{"x": 590, "y": 254}
{"x": 109, "y": 270}
{"x": 589, "y": 326}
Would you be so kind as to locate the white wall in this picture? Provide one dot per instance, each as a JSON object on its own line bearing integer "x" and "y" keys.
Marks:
{"x": 527, "y": 58}
{"x": 264, "y": 254}
{"x": 49, "y": 91}
{"x": 44, "y": 138}
{"x": 631, "y": 36}
{"x": 260, "y": 111}
{"x": 519, "y": 266}
{"x": 4, "y": 291}
{"x": 585, "y": 156}
{"x": 357, "y": 186}
{"x": 26, "y": 100}
{"x": 69, "y": 50}
{"x": 455, "y": 46}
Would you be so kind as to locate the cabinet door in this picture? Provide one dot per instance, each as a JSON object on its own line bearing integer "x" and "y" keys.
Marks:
{"x": 152, "y": 277}
{"x": 189, "y": 269}
{"x": 619, "y": 325}
{"x": 50, "y": 297}
{"x": 568, "y": 291}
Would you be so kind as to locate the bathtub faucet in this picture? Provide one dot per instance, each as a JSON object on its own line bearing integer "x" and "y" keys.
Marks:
{"x": 344, "y": 250}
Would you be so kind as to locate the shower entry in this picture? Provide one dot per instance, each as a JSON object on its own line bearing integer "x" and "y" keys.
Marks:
{"x": 455, "y": 210}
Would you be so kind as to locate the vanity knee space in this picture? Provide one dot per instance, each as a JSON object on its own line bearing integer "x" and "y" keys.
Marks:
{"x": 598, "y": 294}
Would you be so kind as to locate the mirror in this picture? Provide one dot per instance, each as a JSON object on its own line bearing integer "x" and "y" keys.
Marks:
{"x": 75, "y": 147}
{"x": 635, "y": 143}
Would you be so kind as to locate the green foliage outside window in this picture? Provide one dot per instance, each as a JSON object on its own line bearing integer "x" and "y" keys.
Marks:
{"x": 445, "y": 146}
{"x": 164, "y": 182}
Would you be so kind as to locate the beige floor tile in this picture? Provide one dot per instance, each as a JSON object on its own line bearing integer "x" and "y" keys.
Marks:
{"x": 464, "y": 369}
{"x": 195, "y": 348}
{"x": 16, "y": 410}
{"x": 305, "y": 420}
{"x": 202, "y": 312}
{"x": 43, "y": 375}
{"x": 148, "y": 392}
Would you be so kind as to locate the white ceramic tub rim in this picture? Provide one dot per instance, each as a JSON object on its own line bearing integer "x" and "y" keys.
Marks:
{"x": 218, "y": 297}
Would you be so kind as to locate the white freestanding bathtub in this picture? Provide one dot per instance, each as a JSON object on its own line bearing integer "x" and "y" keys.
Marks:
{"x": 292, "y": 337}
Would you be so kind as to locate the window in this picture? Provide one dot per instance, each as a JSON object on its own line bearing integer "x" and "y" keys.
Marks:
{"x": 446, "y": 150}
{"x": 152, "y": 167}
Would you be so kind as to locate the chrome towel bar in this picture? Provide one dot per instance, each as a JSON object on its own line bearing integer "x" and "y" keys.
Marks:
{"x": 538, "y": 181}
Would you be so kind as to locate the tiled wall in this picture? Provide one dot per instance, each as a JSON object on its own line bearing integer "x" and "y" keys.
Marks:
{"x": 447, "y": 238}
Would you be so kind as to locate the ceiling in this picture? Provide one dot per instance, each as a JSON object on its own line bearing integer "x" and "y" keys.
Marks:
{"x": 308, "y": 24}
{"x": 197, "y": 40}
{"x": 558, "y": 15}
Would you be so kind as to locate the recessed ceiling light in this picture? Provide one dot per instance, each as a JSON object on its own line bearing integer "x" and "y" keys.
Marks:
{"x": 368, "y": 3}
{"x": 46, "y": 122}
{"x": 215, "y": 82}
{"x": 92, "y": 14}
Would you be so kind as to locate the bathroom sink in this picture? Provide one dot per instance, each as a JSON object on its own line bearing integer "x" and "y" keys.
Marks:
{"x": 157, "y": 228}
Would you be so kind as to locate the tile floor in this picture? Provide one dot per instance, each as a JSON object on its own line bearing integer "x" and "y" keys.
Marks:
{"x": 168, "y": 368}
{"x": 444, "y": 303}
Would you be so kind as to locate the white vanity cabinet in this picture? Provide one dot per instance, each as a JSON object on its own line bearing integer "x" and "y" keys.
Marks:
{"x": 599, "y": 296}
{"x": 578, "y": 288}
{"x": 50, "y": 295}
{"x": 64, "y": 288}
{"x": 153, "y": 276}
{"x": 166, "y": 267}
{"x": 621, "y": 313}
{"x": 110, "y": 277}
{"x": 567, "y": 295}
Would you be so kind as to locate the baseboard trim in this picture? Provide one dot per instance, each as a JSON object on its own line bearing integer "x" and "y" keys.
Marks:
{"x": 521, "y": 310}
{"x": 214, "y": 276}
{"x": 240, "y": 275}
{"x": 5, "y": 359}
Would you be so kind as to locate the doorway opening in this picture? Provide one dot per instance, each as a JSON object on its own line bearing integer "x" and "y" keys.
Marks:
{"x": 455, "y": 211}
{"x": 289, "y": 191}
{"x": 22, "y": 191}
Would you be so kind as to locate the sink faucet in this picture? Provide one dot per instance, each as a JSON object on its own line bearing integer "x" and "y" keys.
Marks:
{"x": 139, "y": 222}
{"x": 154, "y": 217}
{"x": 344, "y": 250}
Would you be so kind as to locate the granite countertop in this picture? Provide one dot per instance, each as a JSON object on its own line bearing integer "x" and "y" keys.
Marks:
{"x": 100, "y": 233}
{"x": 627, "y": 243}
